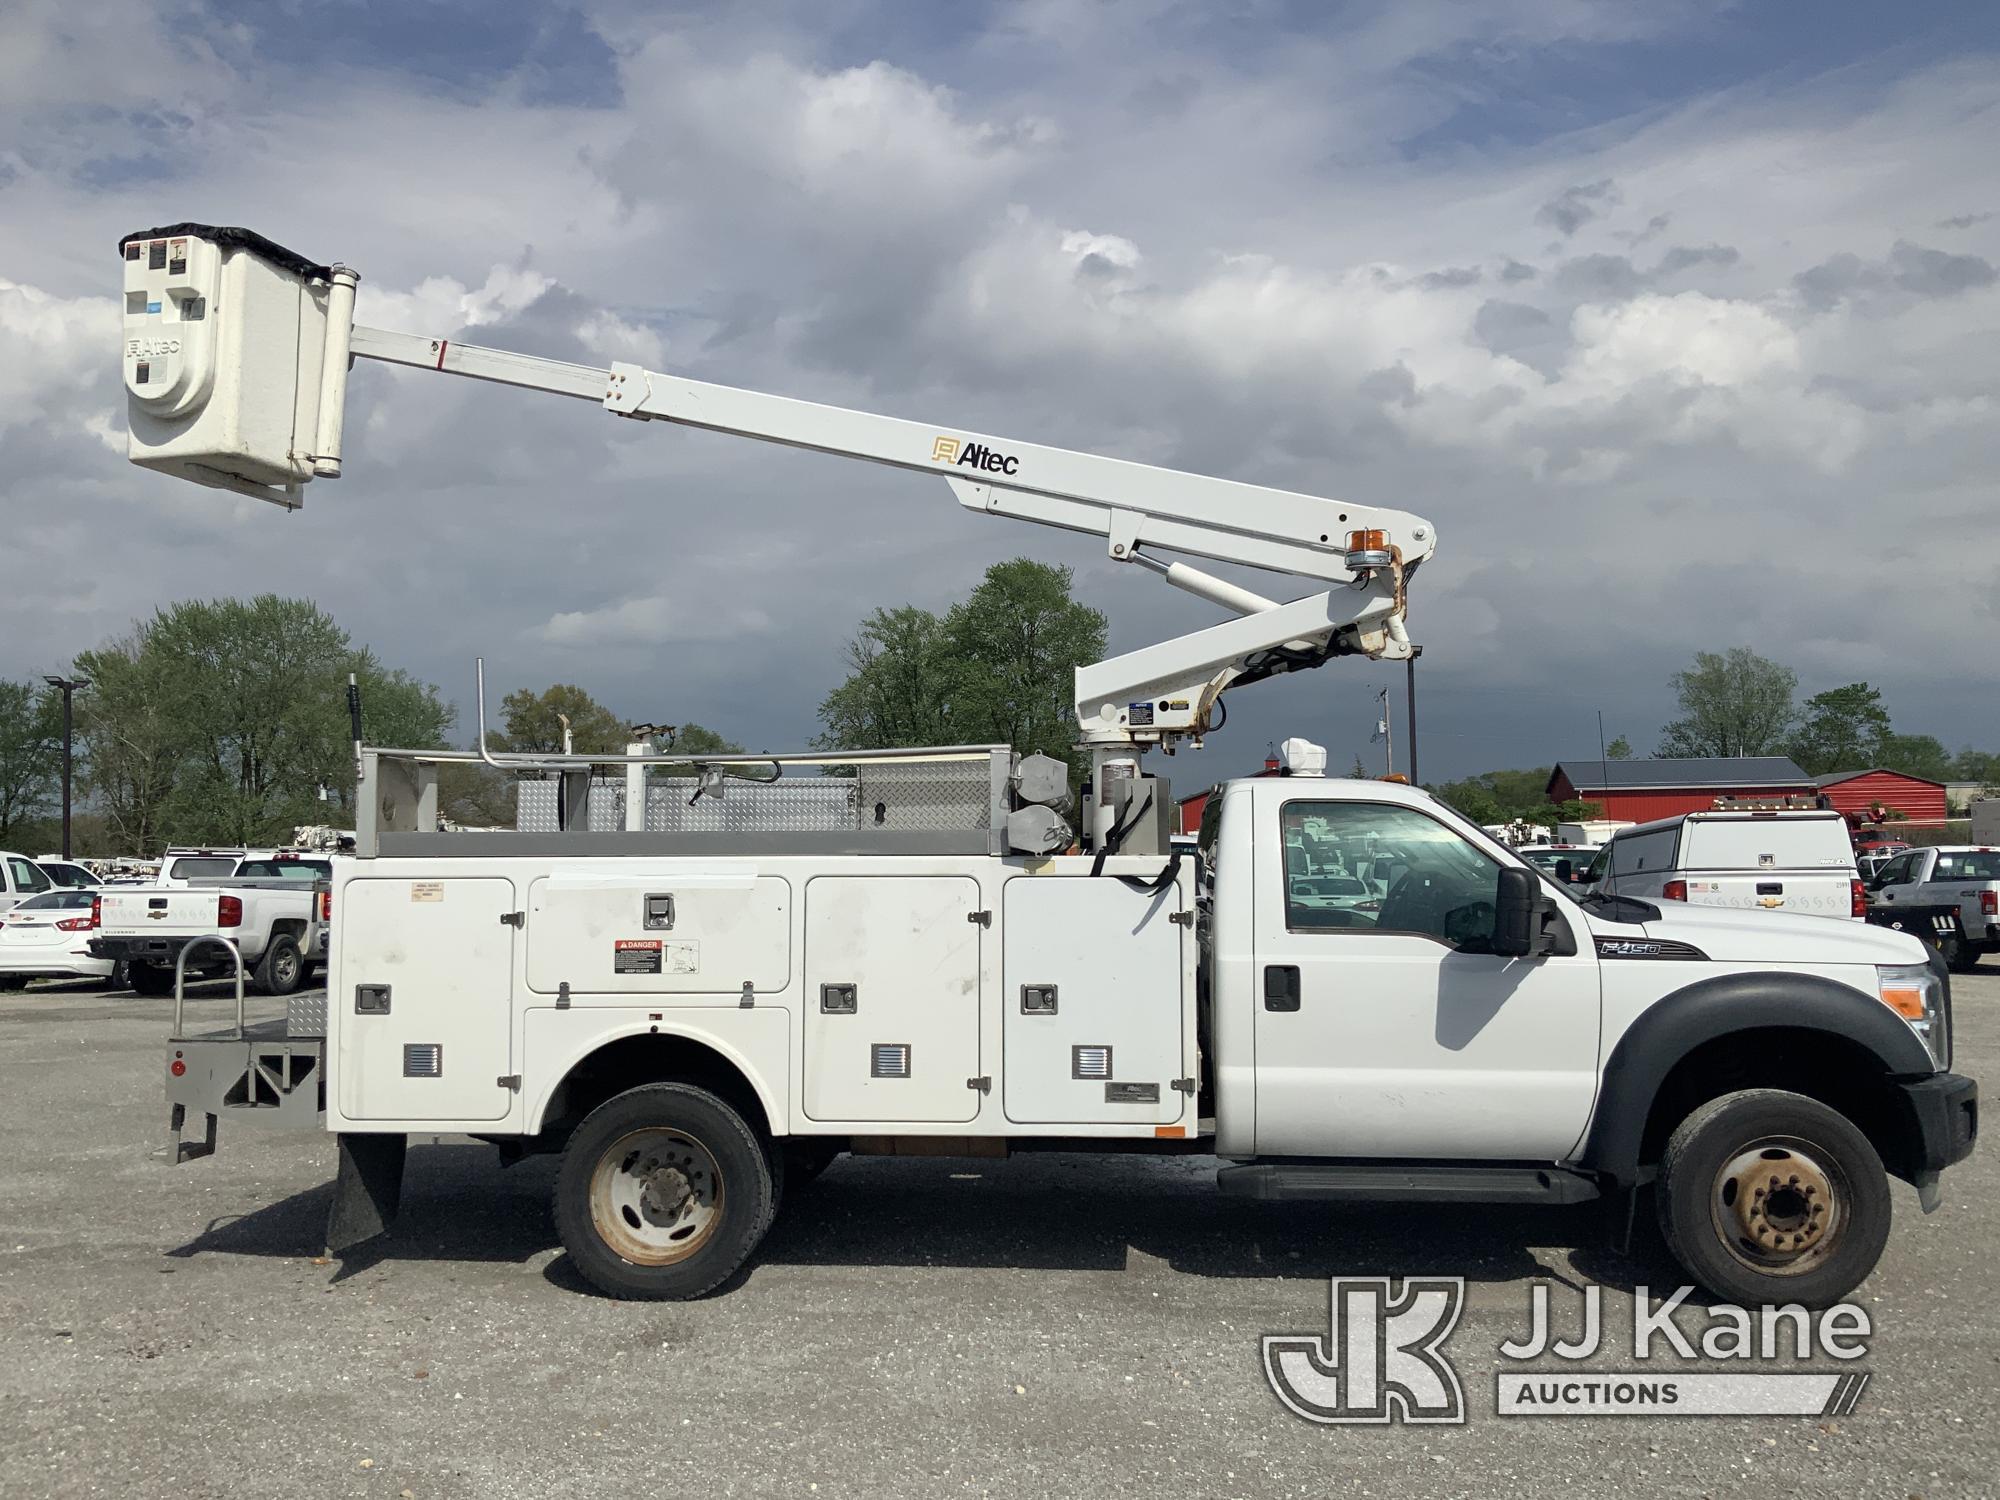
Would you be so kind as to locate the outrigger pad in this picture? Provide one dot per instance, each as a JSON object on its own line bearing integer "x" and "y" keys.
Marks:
{"x": 367, "y": 1190}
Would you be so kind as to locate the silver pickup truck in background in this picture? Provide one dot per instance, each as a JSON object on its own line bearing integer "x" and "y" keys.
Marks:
{"x": 273, "y": 910}
{"x": 1948, "y": 896}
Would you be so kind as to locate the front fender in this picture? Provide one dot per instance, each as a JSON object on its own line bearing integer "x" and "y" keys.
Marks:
{"x": 1673, "y": 1026}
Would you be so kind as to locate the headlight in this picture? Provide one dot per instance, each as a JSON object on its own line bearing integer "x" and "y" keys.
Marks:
{"x": 1915, "y": 993}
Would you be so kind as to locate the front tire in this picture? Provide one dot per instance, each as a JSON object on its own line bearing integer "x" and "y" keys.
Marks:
{"x": 663, "y": 1193}
{"x": 1766, "y": 1196}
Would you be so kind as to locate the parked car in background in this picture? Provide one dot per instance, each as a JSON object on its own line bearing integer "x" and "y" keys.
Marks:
{"x": 1948, "y": 896}
{"x": 1772, "y": 861}
{"x": 48, "y": 937}
{"x": 1566, "y": 862}
{"x": 20, "y": 878}
{"x": 274, "y": 910}
{"x": 69, "y": 875}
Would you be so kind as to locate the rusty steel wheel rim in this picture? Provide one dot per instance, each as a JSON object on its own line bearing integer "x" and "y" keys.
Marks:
{"x": 656, "y": 1196}
{"x": 1780, "y": 1205}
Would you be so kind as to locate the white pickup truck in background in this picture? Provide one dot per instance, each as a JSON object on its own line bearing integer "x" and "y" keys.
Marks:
{"x": 273, "y": 909}
{"x": 1948, "y": 896}
{"x": 1771, "y": 861}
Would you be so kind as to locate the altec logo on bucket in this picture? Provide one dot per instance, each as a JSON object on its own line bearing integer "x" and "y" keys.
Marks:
{"x": 1383, "y": 1360}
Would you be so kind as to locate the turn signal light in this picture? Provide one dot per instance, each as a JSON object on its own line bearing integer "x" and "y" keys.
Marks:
{"x": 326, "y": 906}
{"x": 229, "y": 911}
{"x": 1989, "y": 903}
{"x": 1674, "y": 890}
{"x": 1906, "y": 1001}
{"x": 75, "y": 924}
{"x": 177, "y": 1068}
{"x": 1857, "y": 899}
{"x": 96, "y": 911}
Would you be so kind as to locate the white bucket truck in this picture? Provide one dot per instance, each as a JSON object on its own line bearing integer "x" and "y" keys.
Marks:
{"x": 693, "y": 1009}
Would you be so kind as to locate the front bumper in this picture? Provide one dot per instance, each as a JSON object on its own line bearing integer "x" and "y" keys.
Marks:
{"x": 1944, "y": 1109}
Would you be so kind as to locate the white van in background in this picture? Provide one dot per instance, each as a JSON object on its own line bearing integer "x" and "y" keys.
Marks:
{"x": 1775, "y": 861}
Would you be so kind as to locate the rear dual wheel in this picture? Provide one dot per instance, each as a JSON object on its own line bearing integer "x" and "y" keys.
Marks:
{"x": 663, "y": 1193}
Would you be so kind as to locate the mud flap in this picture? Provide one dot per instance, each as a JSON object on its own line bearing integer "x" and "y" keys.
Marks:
{"x": 367, "y": 1189}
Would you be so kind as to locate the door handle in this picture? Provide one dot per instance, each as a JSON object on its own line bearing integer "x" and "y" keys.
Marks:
{"x": 1281, "y": 986}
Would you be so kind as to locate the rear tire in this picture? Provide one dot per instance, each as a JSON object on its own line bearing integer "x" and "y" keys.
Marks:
{"x": 282, "y": 968}
{"x": 152, "y": 979}
{"x": 663, "y": 1193}
{"x": 1959, "y": 955}
{"x": 1768, "y": 1196}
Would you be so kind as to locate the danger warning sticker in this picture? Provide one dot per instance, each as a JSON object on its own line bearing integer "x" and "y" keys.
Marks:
{"x": 635, "y": 956}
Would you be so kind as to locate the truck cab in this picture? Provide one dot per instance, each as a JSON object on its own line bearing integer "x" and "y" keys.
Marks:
{"x": 1491, "y": 1039}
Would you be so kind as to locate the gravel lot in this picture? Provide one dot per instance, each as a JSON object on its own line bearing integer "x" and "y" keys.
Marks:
{"x": 1057, "y": 1326}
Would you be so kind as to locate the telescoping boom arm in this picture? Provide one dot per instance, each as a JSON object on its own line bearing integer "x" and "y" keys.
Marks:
{"x": 236, "y": 360}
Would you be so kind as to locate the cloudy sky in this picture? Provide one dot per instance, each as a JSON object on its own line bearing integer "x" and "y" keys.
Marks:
{"x": 1678, "y": 320}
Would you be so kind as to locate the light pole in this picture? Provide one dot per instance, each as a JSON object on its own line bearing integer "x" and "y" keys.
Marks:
{"x": 68, "y": 687}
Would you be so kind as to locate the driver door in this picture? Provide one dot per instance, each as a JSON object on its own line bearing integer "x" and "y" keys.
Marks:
{"x": 1395, "y": 1032}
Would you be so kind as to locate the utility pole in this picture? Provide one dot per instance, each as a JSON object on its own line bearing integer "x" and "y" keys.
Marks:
{"x": 68, "y": 687}
{"x": 1388, "y": 735}
{"x": 1410, "y": 687}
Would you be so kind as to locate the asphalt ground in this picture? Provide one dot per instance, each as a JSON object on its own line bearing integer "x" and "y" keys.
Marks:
{"x": 1049, "y": 1326}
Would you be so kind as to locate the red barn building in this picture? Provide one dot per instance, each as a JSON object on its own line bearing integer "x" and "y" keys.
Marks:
{"x": 1640, "y": 790}
{"x": 1917, "y": 798}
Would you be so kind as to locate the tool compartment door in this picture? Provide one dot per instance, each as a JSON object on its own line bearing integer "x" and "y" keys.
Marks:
{"x": 700, "y": 931}
{"x": 1107, "y": 1045}
{"x": 445, "y": 1039}
{"x": 891, "y": 998}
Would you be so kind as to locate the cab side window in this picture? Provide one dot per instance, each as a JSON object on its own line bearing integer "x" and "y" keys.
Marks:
{"x": 1377, "y": 867}
{"x": 28, "y": 877}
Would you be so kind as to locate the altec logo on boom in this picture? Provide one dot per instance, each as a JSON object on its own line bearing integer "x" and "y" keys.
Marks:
{"x": 951, "y": 450}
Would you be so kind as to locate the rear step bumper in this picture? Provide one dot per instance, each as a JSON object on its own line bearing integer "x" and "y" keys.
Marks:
{"x": 1370, "y": 1182}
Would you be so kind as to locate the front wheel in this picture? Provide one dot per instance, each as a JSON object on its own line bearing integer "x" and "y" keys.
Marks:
{"x": 663, "y": 1192}
{"x": 1768, "y": 1196}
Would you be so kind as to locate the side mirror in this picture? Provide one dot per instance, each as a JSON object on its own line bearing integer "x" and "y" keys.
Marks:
{"x": 1515, "y": 907}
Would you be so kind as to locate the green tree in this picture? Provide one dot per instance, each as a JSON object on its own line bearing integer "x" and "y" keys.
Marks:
{"x": 1618, "y": 749}
{"x": 532, "y": 722}
{"x": 30, "y": 755}
{"x": 1502, "y": 796}
{"x": 1915, "y": 755}
{"x": 999, "y": 667}
{"x": 1982, "y": 766}
{"x": 1014, "y": 647}
{"x": 899, "y": 685}
{"x": 696, "y": 739}
{"x": 227, "y": 719}
{"x": 1842, "y": 729}
{"x": 1731, "y": 703}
